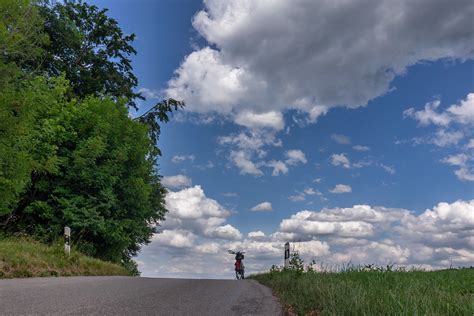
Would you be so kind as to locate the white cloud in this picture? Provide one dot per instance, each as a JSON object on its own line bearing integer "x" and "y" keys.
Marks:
{"x": 445, "y": 138}
{"x": 279, "y": 167}
{"x": 464, "y": 112}
{"x": 256, "y": 235}
{"x": 360, "y": 148}
{"x": 295, "y": 156}
{"x": 192, "y": 203}
{"x": 262, "y": 207}
{"x": 456, "y": 160}
{"x": 311, "y": 191}
{"x": 437, "y": 238}
{"x": 301, "y": 196}
{"x": 341, "y": 188}
{"x": 340, "y": 160}
{"x": 341, "y": 139}
{"x": 465, "y": 174}
{"x": 289, "y": 62}
{"x": 247, "y": 147}
{"x": 302, "y": 223}
{"x": 182, "y": 158}
{"x": 272, "y": 119}
{"x": 463, "y": 115}
{"x": 150, "y": 93}
{"x": 206, "y": 83}
{"x": 227, "y": 232}
{"x": 174, "y": 238}
{"x": 243, "y": 162}
{"x": 464, "y": 162}
{"x": 429, "y": 115}
{"x": 177, "y": 181}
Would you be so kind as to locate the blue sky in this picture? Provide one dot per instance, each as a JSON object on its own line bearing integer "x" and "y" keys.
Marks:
{"x": 346, "y": 128}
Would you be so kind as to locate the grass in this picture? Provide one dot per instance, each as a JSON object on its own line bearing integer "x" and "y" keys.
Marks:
{"x": 21, "y": 258}
{"x": 358, "y": 292}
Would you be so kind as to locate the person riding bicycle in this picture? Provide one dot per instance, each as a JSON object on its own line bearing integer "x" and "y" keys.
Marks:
{"x": 239, "y": 266}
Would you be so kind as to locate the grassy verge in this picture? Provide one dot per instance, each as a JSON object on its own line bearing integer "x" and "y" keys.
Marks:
{"x": 446, "y": 292}
{"x": 23, "y": 258}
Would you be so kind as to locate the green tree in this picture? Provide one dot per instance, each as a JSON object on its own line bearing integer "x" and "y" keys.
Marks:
{"x": 90, "y": 48}
{"x": 20, "y": 38}
{"x": 21, "y": 33}
{"x": 93, "y": 171}
{"x": 69, "y": 152}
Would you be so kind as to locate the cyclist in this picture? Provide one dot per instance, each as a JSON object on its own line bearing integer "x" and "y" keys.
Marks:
{"x": 239, "y": 266}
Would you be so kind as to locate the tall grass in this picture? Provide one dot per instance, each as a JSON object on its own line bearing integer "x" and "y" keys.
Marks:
{"x": 374, "y": 291}
{"x": 25, "y": 258}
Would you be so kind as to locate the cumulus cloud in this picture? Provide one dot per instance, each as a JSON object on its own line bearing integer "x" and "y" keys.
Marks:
{"x": 242, "y": 161}
{"x": 192, "y": 203}
{"x": 182, "y": 158}
{"x": 340, "y": 160}
{"x": 295, "y": 157}
{"x": 436, "y": 238}
{"x": 177, "y": 181}
{"x": 227, "y": 232}
{"x": 311, "y": 191}
{"x": 256, "y": 235}
{"x": 464, "y": 111}
{"x": 174, "y": 238}
{"x": 341, "y": 188}
{"x": 341, "y": 139}
{"x": 456, "y": 115}
{"x": 461, "y": 114}
{"x": 456, "y": 121}
{"x": 291, "y": 62}
{"x": 279, "y": 167}
{"x": 302, "y": 223}
{"x": 429, "y": 115}
{"x": 262, "y": 207}
{"x": 246, "y": 149}
{"x": 251, "y": 141}
{"x": 445, "y": 138}
{"x": 272, "y": 119}
{"x": 464, "y": 162}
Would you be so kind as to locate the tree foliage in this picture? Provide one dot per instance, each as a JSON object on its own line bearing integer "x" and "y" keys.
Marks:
{"x": 69, "y": 152}
{"x": 90, "y": 48}
{"x": 93, "y": 173}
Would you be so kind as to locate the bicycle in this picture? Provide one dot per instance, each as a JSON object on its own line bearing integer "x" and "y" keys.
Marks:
{"x": 239, "y": 265}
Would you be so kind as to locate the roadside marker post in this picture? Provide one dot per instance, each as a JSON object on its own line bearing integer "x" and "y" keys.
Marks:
{"x": 287, "y": 254}
{"x": 67, "y": 240}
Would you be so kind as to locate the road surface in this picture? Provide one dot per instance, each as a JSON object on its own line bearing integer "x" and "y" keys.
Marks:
{"x": 134, "y": 296}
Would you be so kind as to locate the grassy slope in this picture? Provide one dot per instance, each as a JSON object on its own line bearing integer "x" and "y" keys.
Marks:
{"x": 22, "y": 258}
{"x": 446, "y": 292}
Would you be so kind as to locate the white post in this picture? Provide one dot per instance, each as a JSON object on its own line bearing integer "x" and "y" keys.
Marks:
{"x": 287, "y": 254}
{"x": 67, "y": 240}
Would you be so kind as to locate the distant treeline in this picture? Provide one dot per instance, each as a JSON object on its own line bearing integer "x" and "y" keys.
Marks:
{"x": 69, "y": 152}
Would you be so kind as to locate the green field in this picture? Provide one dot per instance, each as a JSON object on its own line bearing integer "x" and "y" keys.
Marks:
{"x": 357, "y": 292}
{"x": 21, "y": 258}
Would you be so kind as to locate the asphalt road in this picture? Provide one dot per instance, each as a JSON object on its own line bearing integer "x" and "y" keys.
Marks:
{"x": 135, "y": 296}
